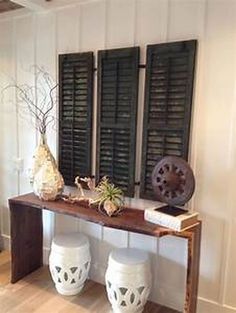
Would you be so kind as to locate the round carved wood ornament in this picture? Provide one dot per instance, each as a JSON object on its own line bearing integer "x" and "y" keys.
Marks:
{"x": 173, "y": 181}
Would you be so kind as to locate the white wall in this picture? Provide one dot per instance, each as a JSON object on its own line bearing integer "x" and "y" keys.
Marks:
{"x": 38, "y": 38}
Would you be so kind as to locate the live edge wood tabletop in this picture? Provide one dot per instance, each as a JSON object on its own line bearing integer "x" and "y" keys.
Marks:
{"x": 27, "y": 236}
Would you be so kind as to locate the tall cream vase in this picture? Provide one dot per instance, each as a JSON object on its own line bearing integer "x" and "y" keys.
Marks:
{"x": 45, "y": 177}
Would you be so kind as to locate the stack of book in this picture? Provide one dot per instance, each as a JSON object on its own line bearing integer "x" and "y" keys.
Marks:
{"x": 172, "y": 217}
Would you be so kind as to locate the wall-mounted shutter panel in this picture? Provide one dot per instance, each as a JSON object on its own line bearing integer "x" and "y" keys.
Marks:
{"x": 168, "y": 101}
{"x": 117, "y": 114}
{"x": 75, "y": 114}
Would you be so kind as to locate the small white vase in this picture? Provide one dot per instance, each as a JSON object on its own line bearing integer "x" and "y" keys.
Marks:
{"x": 45, "y": 177}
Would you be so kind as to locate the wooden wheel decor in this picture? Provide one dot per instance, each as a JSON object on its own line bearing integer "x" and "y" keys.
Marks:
{"x": 173, "y": 181}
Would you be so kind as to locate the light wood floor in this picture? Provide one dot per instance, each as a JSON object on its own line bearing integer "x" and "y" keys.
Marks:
{"x": 36, "y": 293}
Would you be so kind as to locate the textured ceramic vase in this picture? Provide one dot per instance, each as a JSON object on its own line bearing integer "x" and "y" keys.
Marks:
{"x": 45, "y": 177}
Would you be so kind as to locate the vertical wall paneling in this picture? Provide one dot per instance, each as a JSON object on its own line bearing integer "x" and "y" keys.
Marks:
{"x": 120, "y": 34}
{"x": 24, "y": 31}
{"x": 186, "y": 19}
{"x": 68, "y": 29}
{"x": 150, "y": 245}
{"x": 215, "y": 133}
{"x": 67, "y": 41}
{"x": 150, "y": 14}
{"x": 151, "y": 22}
{"x": 93, "y": 22}
{"x": 225, "y": 15}
{"x": 112, "y": 239}
{"x": 45, "y": 58}
{"x": 171, "y": 272}
{"x": 92, "y": 34}
{"x": 8, "y": 135}
{"x": 94, "y": 233}
{"x": 228, "y": 267}
{"x": 196, "y": 12}
{"x": 93, "y": 38}
{"x": 189, "y": 20}
{"x": 107, "y": 24}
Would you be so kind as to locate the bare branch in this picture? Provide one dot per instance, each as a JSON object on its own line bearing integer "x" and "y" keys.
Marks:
{"x": 39, "y": 99}
{"x": 51, "y": 103}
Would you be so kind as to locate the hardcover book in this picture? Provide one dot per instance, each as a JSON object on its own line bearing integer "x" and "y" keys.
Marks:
{"x": 175, "y": 218}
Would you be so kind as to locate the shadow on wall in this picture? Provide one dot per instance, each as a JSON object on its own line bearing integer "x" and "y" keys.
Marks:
{"x": 212, "y": 259}
{"x": 170, "y": 283}
{"x": 4, "y": 227}
{"x": 168, "y": 258}
{"x": 168, "y": 276}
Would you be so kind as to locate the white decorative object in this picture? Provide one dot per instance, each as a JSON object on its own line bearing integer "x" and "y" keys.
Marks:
{"x": 47, "y": 181}
{"x": 41, "y": 154}
{"x": 128, "y": 280}
{"x": 69, "y": 262}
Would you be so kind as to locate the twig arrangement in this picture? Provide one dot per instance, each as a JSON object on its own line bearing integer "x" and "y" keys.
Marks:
{"x": 38, "y": 99}
{"x": 109, "y": 198}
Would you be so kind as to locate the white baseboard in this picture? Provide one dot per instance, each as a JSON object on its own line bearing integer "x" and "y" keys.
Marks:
{"x": 5, "y": 242}
{"x": 46, "y": 252}
{"x": 208, "y": 306}
{"x": 5, "y": 245}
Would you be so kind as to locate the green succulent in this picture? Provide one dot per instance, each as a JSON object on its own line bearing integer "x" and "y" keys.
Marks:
{"x": 108, "y": 191}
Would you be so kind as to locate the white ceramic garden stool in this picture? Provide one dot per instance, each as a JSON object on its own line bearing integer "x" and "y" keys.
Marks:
{"x": 128, "y": 280}
{"x": 69, "y": 262}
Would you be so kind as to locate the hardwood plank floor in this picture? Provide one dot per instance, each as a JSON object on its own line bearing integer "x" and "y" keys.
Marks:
{"x": 36, "y": 293}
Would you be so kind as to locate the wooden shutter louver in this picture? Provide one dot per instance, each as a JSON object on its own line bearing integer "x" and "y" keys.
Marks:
{"x": 75, "y": 115}
{"x": 117, "y": 114}
{"x": 168, "y": 102}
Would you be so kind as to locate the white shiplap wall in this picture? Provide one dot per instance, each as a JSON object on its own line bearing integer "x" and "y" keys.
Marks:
{"x": 37, "y": 38}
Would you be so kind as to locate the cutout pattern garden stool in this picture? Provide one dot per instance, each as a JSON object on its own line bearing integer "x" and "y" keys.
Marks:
{"x": 128, "y": 280}
{"x": 69, "y": 262}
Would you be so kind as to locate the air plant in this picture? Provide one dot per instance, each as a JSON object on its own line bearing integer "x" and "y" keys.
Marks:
{"x": 110, "y": 198}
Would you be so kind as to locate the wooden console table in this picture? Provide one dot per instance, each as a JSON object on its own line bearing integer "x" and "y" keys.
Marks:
{"x": 27, "y": 236}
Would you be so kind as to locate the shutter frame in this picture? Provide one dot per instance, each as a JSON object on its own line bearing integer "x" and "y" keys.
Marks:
{"x": 108, "y": 55}
{"x": 166, "y": 130}
{"x": 81, "y": 132}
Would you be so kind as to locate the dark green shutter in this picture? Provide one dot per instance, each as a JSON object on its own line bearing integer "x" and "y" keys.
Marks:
{"x": 168, "y": 102}
{"x": 75, "y": 114}
{"x": 117, "y": 115}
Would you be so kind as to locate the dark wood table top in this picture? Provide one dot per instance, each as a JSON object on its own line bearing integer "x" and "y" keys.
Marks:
{"x": 130, "y": 219}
